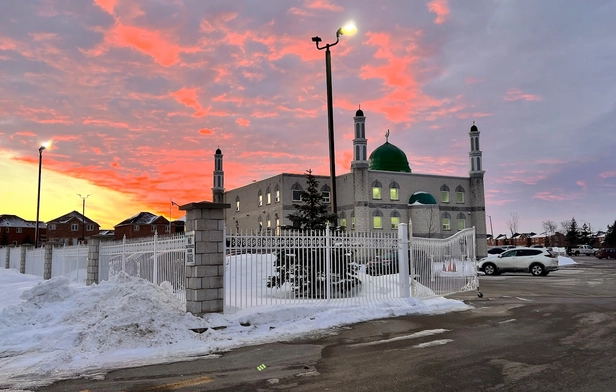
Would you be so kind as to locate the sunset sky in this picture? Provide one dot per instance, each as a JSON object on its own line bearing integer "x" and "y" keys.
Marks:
{"x": 137, "y": 95}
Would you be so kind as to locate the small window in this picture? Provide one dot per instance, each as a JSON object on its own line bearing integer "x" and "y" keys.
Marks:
{"x": 269, "y": 223}
{"x": 18, "y": 230}
{"x": 260, "y": 199}
{"x": 74, "y": 227}
{"x": 395, "y": 221}
{"x": 297, "y": 195}
{"x": 153, "y": 228}
{"x": 377, "y": 222}
{"x": 237, "y": 203}
{"x": 268, "y": 196}
{"x": 460, "y": 197}
{"x": 461, "y": 224}
{"x": 277, "y": 199}
{"x": 8, "y": 230}
{"x": 325, "y": 196}
{"x": 376, "y": 190}
{"x": 90, "y": 227}
{"x": 277, "y": 221}
{"x": 446, "y": 222}
{"x": 135, "y": 227}
{"x": 353, "y": 223}
{"x": 260, "y": 224}
{"x": 52, "y": 226}
{"x": 167, "y": 228}
{"x": 445, "y": 194}
{"x": 394, "y": 191}
{"x": 343, "y": 222}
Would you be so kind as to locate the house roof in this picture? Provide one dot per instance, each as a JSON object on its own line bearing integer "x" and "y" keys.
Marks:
{"x": 142, "y": 218}
{"x": 7, "y": 220}
{"x": 72, "y": 215}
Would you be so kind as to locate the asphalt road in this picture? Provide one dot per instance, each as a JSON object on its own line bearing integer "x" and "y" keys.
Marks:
{"x": 553, "y": 333}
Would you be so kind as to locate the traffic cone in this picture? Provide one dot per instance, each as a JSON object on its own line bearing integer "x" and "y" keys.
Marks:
{"x": 444, "y": 268}
{"x": 454, "y": 269}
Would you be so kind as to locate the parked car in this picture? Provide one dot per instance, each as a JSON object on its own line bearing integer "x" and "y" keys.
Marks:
{"x": 582, "y": 249}
{"x": 496, "y": 251}
{"x": 537, "y": 261}
{"x": 606, "y": 253}
{"x": 387, "y": 264}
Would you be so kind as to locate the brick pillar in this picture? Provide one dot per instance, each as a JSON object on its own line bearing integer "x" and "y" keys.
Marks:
{"x": 48, "y": 260}
{"x": 22, "y": 260}
{"x": 92, "y": 272}
{"x": 204, "y": 279}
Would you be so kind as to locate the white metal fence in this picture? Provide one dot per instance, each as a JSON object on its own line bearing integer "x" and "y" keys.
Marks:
{"x": 15, "y": 258}
{"x": 70, "y": 261}
{"x": 157, "y": 259}
{"x": 344, "y": 267}
{"x": 35, "y": 261}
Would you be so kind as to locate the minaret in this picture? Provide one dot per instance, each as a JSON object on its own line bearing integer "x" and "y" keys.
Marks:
{"x": 360, "y": 144}
{"x": 218, "y": 189}
{"x": 477, "y": 197}
{"x": 359, "y": 168}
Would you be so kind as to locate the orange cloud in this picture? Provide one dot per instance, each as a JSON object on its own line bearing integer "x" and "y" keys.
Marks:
{"x": 515, "y": 94}
{"x": 324, "y": 5}
{"x": 188, "y": 97}
{"x": 106, "y": 5}
{"x": 242, "y": 122}
{"x": 441, "y": 9}
{"x": 557, "y": 195}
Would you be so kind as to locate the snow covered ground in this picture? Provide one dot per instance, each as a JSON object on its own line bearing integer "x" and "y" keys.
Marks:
{"x": 52, "y": 330}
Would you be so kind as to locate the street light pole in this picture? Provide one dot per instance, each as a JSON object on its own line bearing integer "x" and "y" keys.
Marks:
{"x": 38, "y": 198}
{"x": 83, "y": 216}
{"x": 349, "y": 28}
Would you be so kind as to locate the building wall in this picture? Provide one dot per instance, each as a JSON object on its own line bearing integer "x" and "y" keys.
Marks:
{"x": 64, "y": 234}
{"x": 11, "y": 236}
{"x": 161, "y": 225}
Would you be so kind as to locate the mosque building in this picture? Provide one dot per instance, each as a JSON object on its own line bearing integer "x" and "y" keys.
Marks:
{"x": 378, "y": 194}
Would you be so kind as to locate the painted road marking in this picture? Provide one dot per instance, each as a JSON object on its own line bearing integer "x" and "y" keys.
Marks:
{"x": 178, "y": 385}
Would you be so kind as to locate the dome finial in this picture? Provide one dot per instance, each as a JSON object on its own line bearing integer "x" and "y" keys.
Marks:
{"x": 387, "y": 136}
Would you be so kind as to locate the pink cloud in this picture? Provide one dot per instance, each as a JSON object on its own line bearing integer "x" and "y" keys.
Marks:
{"x": 557, "y": 195}
{"x": 107, "y": 5}
{"x": 472, "y": 80}
{"x": 515, "y": 94}
{"x": 608, "y": 174}
{"x": 188, "y": 97}
{"x": 323, "y": 5}
{"x": 242, "y": 122}
{"x": 441, "y": 9}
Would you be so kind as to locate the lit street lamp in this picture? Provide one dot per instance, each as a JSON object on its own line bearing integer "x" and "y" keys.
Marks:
{"x": 83, "y": 216}
{"x": 38, "y": 197}
{"x": 348, "y": 29}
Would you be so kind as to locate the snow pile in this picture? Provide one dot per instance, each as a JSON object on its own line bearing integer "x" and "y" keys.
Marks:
{"x": 57, "y": 329}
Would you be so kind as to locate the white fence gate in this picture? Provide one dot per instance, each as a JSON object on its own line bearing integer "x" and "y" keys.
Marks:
{"x": 344, "y": 267}
{"x": 35, "y": 261}
{"x": 156, "y": 259}
{"x": 70, "y": 261}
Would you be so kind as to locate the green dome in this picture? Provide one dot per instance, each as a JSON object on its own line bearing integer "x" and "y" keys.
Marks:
{"x": 389, "y": 158}
{"x": 422, "y": 198}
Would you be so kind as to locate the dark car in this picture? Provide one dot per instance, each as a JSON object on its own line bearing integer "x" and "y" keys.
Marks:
{"x": 606, "y": 253}
{"x": 496, "y": 251}
{"x": 387, "y": 264}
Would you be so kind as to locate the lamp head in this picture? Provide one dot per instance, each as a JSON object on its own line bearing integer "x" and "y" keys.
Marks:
{"x": 316, "y": 39}
{"x": 348, "y": 29}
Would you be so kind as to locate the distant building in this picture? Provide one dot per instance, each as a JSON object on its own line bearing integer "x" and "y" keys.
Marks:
{"x": 144, "y": 224}
{"x": 68, "y": 229}
{"x": 379, "y": 193}
{"x": 17, "y": 231}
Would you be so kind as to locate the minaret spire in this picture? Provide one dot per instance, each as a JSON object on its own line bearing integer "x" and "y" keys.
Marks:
{"x": 360, "y": 143}
{"x": 218, "y": 190}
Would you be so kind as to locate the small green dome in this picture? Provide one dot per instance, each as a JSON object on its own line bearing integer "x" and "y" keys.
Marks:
{"x": 388, "y": 157}
{"x": 422, "y": 198}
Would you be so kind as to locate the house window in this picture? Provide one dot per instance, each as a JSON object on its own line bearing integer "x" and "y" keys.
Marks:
{"x": 352, "y": 223}
{"x": 395, "y": 221}
{"x": 260, "y": 224}
{"x": 153, "y": 229}
{"x": 445, "y": 194}
{"x": 377, "y": 220}
{"x": 135, "y": 227}
{"x": 394, "y": 191}
{"x": 446, "y": 222}
{"x": 52, "y": 226}
{"x": 276, "y": 194}
{"x": 269, "y": 222}
{"x": 90, "y": 227}
{"x": 325, "y": 196}
{"x": 297, "y": 192}
{"x": 18, "y": 230}
{"x": 260, "y": 198}
{"x": 268, "y": 196}
{"x": 376, "y": 190}
{"x": 167, "y": 228}
{"x": 461, "y": 221}
{"x": 237, "y": 203}
{"x": 343, "y": 222}
{"x": 277, "y": 220}
{"x": 74, "y": 227}
{"x": 459, "y": 195}
{"x": 8, "y": 230}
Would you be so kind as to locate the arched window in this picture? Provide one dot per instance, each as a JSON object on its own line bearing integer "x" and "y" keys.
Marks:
{"x": 260, "y": 223}
{"x": 260, "y": 195}
{"x": 277, "y": 223}
{"x": 277, "y": 194}
{"x": 325, "y": 192}
{"x": 446, "y": 221}
{"x": 394, "y": 191}
{"x": 377, "y": 219}
{"x": 268, "y": 195}
{"x": 461, "y": 221}
{"x": 237, "y": 203}
{"x": 444, "y": 194}
{"x": 269, "y": 222}
{"x": 353, "y": 220}
{"x": 459, "y": 194}
{"x": 343, "y": 220}
{"x": 395, "y": 219}
{"x": 376, "y": 190}
{"x": 296, "y": 190}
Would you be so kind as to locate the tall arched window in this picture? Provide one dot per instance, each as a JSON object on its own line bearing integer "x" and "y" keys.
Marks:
{"x": 343, "y": 220}
{"x": 377, "y": 219}
{"x": 461, "y": 221}
{"x": 376, "y": 190}
{"x": 444, "y": 194}
{"x": 395, "y": 219}
{"x": 459, "y": 194}
{"x": 446, "y": 221}
{"x": 268, "y": 195}
{"x": 277, "y": 194}
{"x": 237, "y": 203}
{"x": 297, "y": 189}
{"x": 394, "y": 191}
{"x": 260, "y": 196}
{"x": 353, "y": 220}
{"x": 325, "y": 192}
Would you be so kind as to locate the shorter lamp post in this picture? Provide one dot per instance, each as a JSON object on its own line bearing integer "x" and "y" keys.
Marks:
{"x": 348, "y": 29}
{"x": 83, "y": 216}
{"x": 38, "y": 197}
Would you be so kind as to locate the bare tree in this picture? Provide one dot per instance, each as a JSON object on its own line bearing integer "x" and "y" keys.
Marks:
{"x": 564, "y": 226}
{"x": 549, "y": 227}
{"x": 513, "y": 223}
{"x": 432, "y": 221}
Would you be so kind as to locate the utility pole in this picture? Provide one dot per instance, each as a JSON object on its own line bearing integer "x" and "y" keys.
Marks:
{"x": 83, "y": 216}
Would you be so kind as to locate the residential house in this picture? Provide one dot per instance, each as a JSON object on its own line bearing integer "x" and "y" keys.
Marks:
{"x": 70, "y": 228}
{"x": 17, "y": 231}
{"x": 144, "y": 224}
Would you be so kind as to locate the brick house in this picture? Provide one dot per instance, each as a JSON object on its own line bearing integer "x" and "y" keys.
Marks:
{"x": 144, "y": 224}
{"x": 17, "y": 231}
{"x": 69, "y": 228}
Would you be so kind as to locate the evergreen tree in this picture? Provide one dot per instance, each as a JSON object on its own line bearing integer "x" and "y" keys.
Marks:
{"x": 312, "y": 214}
{"x": 572, "y": 236}
{"x": 610, "y": 235}
{"x": 5, "y": 239}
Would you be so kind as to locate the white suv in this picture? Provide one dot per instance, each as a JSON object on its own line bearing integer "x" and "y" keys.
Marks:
{"x": 537, "y": 261}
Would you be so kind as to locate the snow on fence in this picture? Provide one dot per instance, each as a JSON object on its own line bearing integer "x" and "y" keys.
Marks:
{"x": 35, "y": 261}
{"x": 156, "y": 259}
{"x": 70, "y": 261}
{"x": 312, "y": 268}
